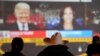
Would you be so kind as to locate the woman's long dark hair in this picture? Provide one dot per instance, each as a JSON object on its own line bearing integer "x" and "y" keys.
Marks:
{"x": 62, "y": 13}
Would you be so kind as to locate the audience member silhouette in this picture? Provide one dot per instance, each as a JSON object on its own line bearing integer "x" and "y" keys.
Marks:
{"x": 17, "y": 46}
{"x": 55, "y": 50}
{"x": 96, "y": 39}
{"x": 94, "y": 48}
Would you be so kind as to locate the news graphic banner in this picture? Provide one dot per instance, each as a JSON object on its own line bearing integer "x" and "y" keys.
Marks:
{"x": 23, "y": 34}
{"x": 73, "y": 36}
{"x": 71, "y": 33}
{"x": 27, "y": 36}
{"x": 49, "y": 33}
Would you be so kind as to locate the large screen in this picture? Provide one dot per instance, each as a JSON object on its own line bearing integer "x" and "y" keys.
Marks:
{"x": 76, "y": 20}
{"x": 46, "y": 16}
{"x": 40, "y": 19}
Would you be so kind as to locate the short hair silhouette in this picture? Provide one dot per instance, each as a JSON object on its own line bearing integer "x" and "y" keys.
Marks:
{"x": 96, "y": 39}
{"x": 17, "y": 46}
{"x": 55, "y": 50}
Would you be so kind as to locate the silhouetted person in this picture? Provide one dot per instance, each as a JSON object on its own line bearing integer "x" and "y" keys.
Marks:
{"x": 55, "y": 50}
{"x": 17, "y": 46}
{"x": 96, "y": 39}
{"x": 93, "y": 49}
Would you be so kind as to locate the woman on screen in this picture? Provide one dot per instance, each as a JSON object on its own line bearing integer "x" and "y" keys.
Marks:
{"x": 68, "y": 21}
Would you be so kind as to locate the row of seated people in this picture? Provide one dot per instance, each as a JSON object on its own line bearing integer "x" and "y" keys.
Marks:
{"x": 55, "y": 47}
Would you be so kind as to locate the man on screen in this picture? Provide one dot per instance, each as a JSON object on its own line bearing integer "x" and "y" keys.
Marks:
{"x": 22, "y": 14}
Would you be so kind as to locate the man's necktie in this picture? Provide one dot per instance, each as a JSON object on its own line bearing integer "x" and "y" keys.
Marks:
{"x": 23, "y": 27}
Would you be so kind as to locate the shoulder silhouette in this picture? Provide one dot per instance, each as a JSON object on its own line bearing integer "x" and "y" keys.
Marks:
{"x": 94, "y": 48}
{"x": 55, "y": 50}
{"x": 17, "y": 46}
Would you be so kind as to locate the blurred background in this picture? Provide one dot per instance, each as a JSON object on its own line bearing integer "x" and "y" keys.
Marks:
{"x": 45, "y": 15}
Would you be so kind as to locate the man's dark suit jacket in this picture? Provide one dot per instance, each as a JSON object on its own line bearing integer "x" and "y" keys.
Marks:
{"x": 14, "y": 26}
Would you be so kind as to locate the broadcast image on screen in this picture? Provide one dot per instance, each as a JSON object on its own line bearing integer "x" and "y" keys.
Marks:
{"x": 33, "y": 21}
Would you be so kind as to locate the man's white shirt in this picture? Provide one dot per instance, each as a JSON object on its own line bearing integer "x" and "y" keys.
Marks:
{"x": 20, "y": 26}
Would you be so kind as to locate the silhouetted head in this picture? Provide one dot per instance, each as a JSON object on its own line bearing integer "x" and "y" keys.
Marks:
{"x": 17, "y": 44}
{"x": 96, "y": 39}
{"x": 55, "y": 50}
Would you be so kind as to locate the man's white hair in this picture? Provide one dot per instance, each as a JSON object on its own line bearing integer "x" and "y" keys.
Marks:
{"x": 22, "y": 5}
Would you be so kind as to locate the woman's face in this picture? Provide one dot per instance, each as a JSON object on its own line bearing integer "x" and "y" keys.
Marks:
{"x": 68, "y": 14}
